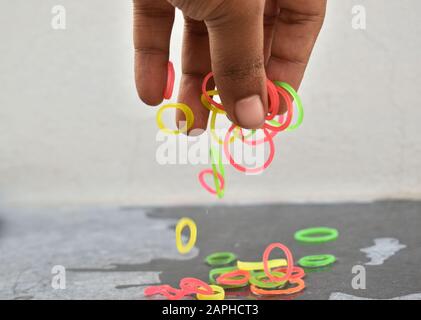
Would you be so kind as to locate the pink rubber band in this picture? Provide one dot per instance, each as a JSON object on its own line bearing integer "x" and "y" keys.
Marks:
{"x": 195, "y": 286}
{"x": 289, "y": 115}
{"x": 205, "y": 185}
{"x": 170, "y": 81}
{"x": 165, "y": 290}
{"x": 242, "y": 168}
{"x": 274, "y": 100}
{"x": 297, "y": 272}
{"x": 206, "y": 95}
{"x": 228, "y": 278}
{"x": 290, "y": 262}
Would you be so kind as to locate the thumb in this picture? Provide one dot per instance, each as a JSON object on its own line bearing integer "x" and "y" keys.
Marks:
{"x": 236, "y": 43}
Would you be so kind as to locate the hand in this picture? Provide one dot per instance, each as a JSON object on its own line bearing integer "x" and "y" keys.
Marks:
{"x": 242, "y": 41}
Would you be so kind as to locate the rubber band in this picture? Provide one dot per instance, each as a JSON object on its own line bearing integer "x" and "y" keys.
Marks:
{"x": 194, "y": 286}
{"x": 231, "y": 278}
{"x": 206, "y": 186}
{"x": 206, "y": 95}
{"x": 316, "y": 235}
{"x": 208, "y": 105}
{"x": 182, "y": 223}
{"x": 220, "y": 258}
{"x": 181, "y": 106}
{"x": 218, "y": 294}
{"x": 297, "y": 100}
{"x": 256, "y": 266}
{"x": 257, "y": 279}
{"x": 289, "y": 114}
{"x": 299, "y": 287}
{"x": 242, "y": 168}
{"x": 317, "y": 261}
{"x": 274, "y": 100}
{"x": 213, "y": 130}
{"x": 297, "y": 272}
{"x": 216, "y": 272}
{"x": 165, "y": 290}
{"x": 170, "y": 81}
{"x": 217, "y": 159}
{"x": 290, "y": 261}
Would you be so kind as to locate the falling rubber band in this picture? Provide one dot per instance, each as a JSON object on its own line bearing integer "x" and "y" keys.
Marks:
{"x": 170, "y": 81}
{"x": 317, "y": 261}
{"x": 206, "y": 186}
{"x": 316, "y": 235}
{"x": 182, "y": 223}
{"x": 231, "y": 278}
{"x": 242, "y": 168}
{"x": 216, "y": 159}
{"x": 181, "y": 106}
{"x": 297, "y": 100}
{"x": 299, "y": 287}
{"x": 290, "y": 261}
{"x": 218, "y": 294}
{"x": 213, "y": 129}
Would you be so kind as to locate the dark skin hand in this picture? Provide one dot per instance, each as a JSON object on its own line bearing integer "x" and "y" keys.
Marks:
{"x": 243, "y": 42}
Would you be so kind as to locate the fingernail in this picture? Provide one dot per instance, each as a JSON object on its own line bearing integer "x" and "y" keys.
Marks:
{"x": 249, "y": 112}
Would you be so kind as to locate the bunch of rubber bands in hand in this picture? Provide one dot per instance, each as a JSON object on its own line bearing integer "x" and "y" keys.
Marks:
{"x": 274, "y": 124}
{"x": 265, "y": 278}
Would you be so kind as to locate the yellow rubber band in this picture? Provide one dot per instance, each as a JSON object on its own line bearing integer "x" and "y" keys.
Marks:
{"x": 209, "y": 106}
{"x": 181, "y": 106}
{"x": 182, "y": 223}
{"x": 218, "y": 294}
{"x": 213, "y": 133}
{"x": 251, "y": 266}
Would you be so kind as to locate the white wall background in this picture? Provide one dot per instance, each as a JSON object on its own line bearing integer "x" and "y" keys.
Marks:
{"x": 72, "y": 130}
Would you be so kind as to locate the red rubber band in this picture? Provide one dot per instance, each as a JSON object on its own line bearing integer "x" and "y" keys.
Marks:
{"x": 274, "y": 100}
{"x": 165, "y": 290}
{"x": 195, "y": 286}
{"x": 206, "y": 186}
{"x": 170, "y": 81}
{"x": 297, "y": 272}
{"x": 289, "y": 115}
{"x": 205, "y": 92}
{"x": 242, "y": 168}
{"x": 227, "y": 278}
{"x": 300, "y": 286}
{"x": 290, "y": 262}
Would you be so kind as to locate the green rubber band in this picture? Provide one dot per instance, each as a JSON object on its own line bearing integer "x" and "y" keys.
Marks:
{"x": 217, "y": 159}
{"x": 297, "y": 100}
{"x": 317, "y": 261}
{"x": 316, "y": 235}
{"x": 215, "y": 273}
{"x": 257, "y": 279}
{"x": 220, "y": 259}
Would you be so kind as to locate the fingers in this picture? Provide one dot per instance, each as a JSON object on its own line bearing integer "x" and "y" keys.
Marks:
{"x": 296, "y": 31}
{"x": 195, "y": 65}
{"x": 236, "y": 44}
{"x": 269, "y": 22}
{"x": 153, "y": 21}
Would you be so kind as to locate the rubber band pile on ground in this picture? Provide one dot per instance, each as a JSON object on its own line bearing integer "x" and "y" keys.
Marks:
{"x": 274, "y": 124}
{"x": 264, "y": 278}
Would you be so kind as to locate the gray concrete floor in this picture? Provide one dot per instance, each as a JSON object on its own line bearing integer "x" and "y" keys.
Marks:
{"x": 113, "y": 253}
